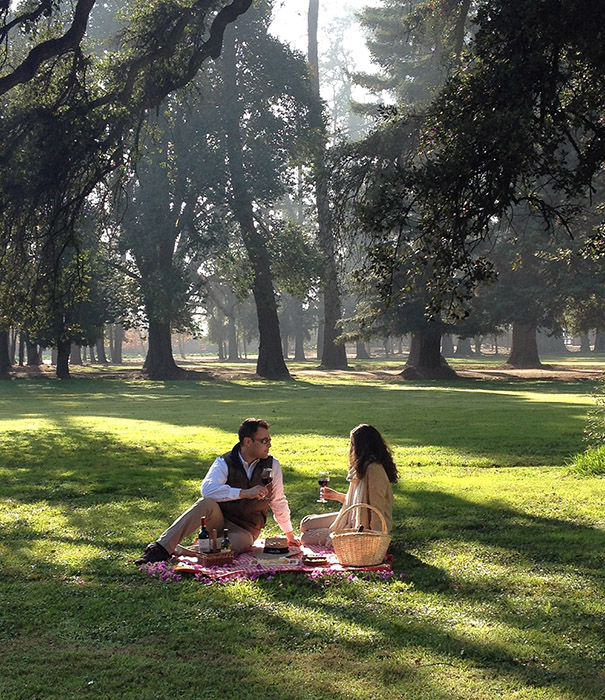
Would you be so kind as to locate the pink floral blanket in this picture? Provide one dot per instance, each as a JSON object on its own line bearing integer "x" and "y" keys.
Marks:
{"x": 255, "y": 564}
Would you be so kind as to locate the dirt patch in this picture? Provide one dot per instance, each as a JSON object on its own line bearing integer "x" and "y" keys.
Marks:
{"x": 126, "y": 373}
{"x": 209, "y": 372}
{"x": 548, "y": 372}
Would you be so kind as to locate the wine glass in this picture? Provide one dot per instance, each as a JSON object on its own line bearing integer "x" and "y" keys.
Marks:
{"x": 266, "y": 477}
{"x": 323, "y": 479}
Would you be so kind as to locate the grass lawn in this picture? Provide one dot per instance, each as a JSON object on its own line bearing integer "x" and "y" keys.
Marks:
{"x": 499, "y": 549}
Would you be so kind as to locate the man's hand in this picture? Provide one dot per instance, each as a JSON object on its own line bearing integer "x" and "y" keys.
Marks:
{"x": 256, "y": 492}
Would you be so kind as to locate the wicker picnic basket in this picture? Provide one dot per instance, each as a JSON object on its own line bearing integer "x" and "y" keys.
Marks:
{"x": 354, "y": 548}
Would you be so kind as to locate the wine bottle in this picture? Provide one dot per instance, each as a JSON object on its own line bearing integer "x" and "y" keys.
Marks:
{"x": 225, "y": 544}
{"x": 203, "y": 538}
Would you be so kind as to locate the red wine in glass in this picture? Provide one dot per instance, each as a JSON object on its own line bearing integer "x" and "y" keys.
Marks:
{"x": 323, "y": 479}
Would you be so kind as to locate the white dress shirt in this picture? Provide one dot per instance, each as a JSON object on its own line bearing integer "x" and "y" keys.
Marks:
{"x": 215, "y": 486}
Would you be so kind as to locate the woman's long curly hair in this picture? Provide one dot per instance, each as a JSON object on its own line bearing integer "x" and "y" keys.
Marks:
{"x": 367, "y": 446}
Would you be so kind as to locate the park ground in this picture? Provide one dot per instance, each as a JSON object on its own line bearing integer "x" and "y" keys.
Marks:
{"x": 498, "y": 588}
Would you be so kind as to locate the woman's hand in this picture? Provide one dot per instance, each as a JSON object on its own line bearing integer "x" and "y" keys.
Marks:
{"x": 331, "y": 495}
{"x": 293, "y": 540}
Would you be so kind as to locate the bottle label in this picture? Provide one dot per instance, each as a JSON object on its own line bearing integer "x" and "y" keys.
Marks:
{"x": 204, "y": 545}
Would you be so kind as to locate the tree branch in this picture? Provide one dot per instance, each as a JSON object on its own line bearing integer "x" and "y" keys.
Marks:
{"x": 50, "y": 49}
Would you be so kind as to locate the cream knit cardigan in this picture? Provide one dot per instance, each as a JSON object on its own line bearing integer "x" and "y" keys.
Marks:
{"x": 374, "y": 489}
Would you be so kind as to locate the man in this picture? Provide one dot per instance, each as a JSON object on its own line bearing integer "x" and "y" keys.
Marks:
{"x": 233, "y": 497}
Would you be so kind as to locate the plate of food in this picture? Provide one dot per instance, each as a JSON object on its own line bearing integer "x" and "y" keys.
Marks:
{"x": 313, "y": 559}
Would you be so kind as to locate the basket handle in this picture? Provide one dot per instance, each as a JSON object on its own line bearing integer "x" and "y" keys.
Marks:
{"x": 359, "y": 505}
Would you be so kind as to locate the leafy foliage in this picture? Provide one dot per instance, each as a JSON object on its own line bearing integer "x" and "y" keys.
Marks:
{"x": 517, "y": 123}
{"x": 69, "y": 119}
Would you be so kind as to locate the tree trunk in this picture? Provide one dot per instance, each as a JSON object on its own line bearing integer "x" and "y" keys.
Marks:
{"x": 285, "y": 345}
{"x": 101, "y": 356}
{"x": 584, "y": 344}
{"x": 33, "y": 354}
{"x": 447, "y": 346}
{"x": 361, "y": 351}
{"x": 13, "y": 345}
{"x": 75, "y": 357}
{"x": 478, "y": 341}
{"x": 232, "y": 339}
{"x": 463, "y": 348}
{"x": 159, "y": 362}
{"x": 425, "y": 360}
{"x": 388, "y": 346}
{"x": 5, "y": 362}
{"x": 181, "y": 343}
{"x": 524, "y": 347}
{"x": 599, "y": 342}
{"x": 461, "y": 30}
{"x": 270, "y": 363}
{"x": 320, "y": 338}
{"x": 21, "y": 349}
{"x": 333, "y": 353}
{"x": 83, "y": 351}
{"x": 63, "y": 352}
{"x": 115, "y": 348}
{"x": 299, "y": 330}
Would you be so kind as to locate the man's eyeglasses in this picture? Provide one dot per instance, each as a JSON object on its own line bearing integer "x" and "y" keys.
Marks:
{"x": 265, "y": 440}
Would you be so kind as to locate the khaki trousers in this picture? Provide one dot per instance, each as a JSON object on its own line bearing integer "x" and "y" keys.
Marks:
{"x": 189, "y": 522}
{"x": 315, "y": 529}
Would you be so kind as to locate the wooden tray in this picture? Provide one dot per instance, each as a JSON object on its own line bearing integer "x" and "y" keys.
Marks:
{"x": 206, "y": 559}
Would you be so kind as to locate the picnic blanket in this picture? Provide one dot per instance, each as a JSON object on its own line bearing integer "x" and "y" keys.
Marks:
{"x": 256, "y": 563}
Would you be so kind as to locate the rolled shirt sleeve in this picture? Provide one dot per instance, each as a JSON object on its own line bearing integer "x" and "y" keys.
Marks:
{"x": 279, "y": 502}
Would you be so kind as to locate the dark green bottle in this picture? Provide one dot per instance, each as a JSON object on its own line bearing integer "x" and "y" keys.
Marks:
{"x": 203, "y": 538}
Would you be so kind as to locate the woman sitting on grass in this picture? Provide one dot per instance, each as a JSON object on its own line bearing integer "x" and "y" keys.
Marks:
{"x": 371, "y": 473}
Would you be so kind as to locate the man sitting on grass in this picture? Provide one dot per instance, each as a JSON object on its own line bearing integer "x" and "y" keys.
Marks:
{"x": 233, "y": 497}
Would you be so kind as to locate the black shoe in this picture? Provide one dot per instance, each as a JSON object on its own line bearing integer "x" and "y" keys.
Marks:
{"x": 153, "y": 552}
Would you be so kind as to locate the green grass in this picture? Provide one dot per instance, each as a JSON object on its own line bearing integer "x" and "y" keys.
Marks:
{"x": 591, "y": 462}
{"x": 499, "y": 585}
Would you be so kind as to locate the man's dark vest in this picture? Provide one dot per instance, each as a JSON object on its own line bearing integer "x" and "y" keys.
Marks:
{"x": 249, "y": 513}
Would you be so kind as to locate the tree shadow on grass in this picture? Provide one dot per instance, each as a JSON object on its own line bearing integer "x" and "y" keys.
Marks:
{"x": 100, "y": 500}
{"x": 553, "y": 628}
{"x": 443, "y": 416}
{"x": 415, "y": 632}
{"x": 435, "y": 514}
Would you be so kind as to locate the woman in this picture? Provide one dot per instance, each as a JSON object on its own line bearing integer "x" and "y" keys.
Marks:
{"x": 371, "y": 473}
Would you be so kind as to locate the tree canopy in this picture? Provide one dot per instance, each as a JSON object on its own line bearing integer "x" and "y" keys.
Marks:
{"x": 69, "y": 118}
{"x": 519, "y": 120}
